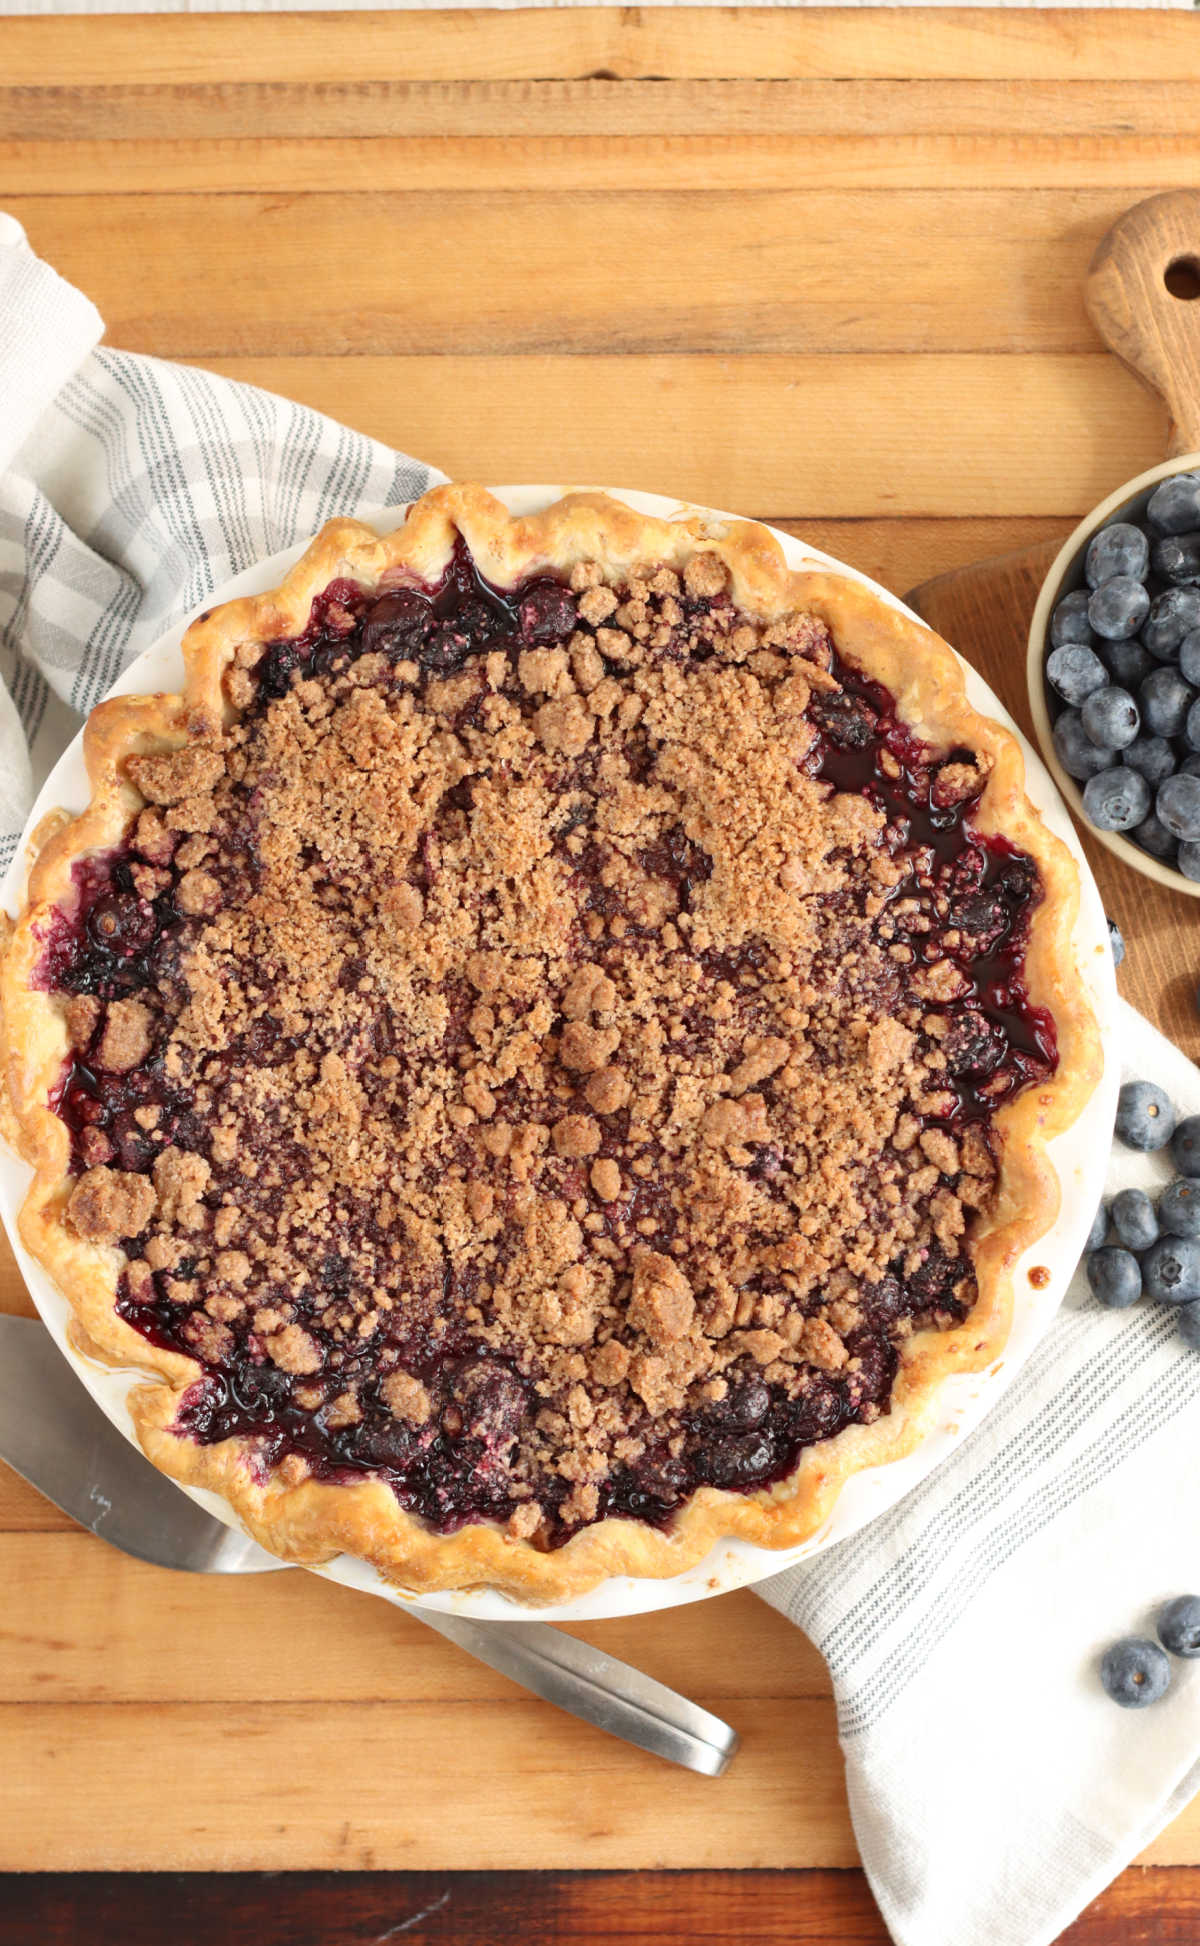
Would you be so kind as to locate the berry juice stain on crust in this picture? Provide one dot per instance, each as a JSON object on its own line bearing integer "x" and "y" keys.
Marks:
{"x": 462, "y": 1215}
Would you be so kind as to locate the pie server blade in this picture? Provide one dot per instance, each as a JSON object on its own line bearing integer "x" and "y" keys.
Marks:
{"x": 54, "y": 1435}
{"x": 57, "y": 1438}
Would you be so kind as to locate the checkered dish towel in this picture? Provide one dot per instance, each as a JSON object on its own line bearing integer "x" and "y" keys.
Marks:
{"x": 995, "y": 1789}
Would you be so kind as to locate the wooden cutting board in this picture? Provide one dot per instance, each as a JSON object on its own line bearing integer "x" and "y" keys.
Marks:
{"x": 912, "y": 197}
{"x": 1141, "y": 295}
{"x": 985, "y": 612}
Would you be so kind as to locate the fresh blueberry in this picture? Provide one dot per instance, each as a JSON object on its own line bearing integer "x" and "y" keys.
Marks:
{"x": 1135, "y": 1672}
{"x": 1116, "y": 940}
{"x": 1185, "y": 1147}
{"x": 1075, "y": 671}
{"x": 1189, "y": 648}
{"x": 1134, "y": 1220}
{"x": 1152, "y": 755}
{"x": 1152, "y": 835}
{"x": 1128, "y": 663}
{"x": 1178, "y": 805}
{"x": 1146, "y": 1118}
{"x": 1114, "y": 1277}
{"x": 1179, "y": 1209}
{"x": 1116, "y": 800}
{"x": 1120, "y": 549}
{"x": 1191, "y": 729}
{"x": 1111, "y": 717}
{"x": 1190, "y": 767}
{"x": 1179, "y": 1626}
{"x": 1174, "y": 506}
{"x": 1118, "y": 608}
{"x": 1187, "y": 861}
{"x": 1099, "y": 1229}
{"x": 1176, "y": 559}
{"x": 1069, "y": 622}
{"x": 1188, "y": 1326}
{"x": 1173, "y": 615}
{"x": 1074, "y": 748}
{"x": 1165, "y": 699}
{"x": 1171, "y": 1270}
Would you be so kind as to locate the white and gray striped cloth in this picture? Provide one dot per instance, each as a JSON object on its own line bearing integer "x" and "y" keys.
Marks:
{"x": 995, "y": 1790}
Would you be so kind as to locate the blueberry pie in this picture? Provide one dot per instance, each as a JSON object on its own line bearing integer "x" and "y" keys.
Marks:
{"x": 543, "y": 1054}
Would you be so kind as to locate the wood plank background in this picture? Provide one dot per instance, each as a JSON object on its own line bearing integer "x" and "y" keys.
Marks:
{"x": 822, "y": 267}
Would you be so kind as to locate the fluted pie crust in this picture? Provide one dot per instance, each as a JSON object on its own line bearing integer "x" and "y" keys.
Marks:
{"x": 311, "y": 1520}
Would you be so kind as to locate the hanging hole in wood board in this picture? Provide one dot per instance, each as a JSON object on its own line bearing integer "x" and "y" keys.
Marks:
{"x": 1182, "y": 278}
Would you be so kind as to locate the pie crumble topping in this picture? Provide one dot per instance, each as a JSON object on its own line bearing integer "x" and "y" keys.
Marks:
{"x": 545, "y": 1052}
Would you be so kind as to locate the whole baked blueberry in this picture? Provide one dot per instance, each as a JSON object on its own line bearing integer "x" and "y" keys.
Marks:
{"x": 1134, "y": 1220}
{"x": 1099, "y": 1229}
{"x": 1111, "y": 717}
{"x": 1116, "y": 800}
{"x": 1179, "y": 1625}
{"x": 1187, "y": 861}
{"x": 1118, "y": 608}
{"x": 1152, "y": 755}
{"x": 1135, "y": 1672}
{"x": 1119, "y": 549}
{"x": 1075, "y": 671}
{"x": 1075, "y": 750}
{"x": 1114, "y": 1276}
{"x": 1185, "y": 1146}
{"x": 1128, "y": 663}
{"x": 1174, "y": 506}
{"x": 1179, "y": 1208}
{"x": 1178, "y": 805}
{"x": 1165, "y": 700}
{"x": 1152, "y": 835}
{"x": 1069, "y": 622}
{"x": 1188, "y": 1325}
{"x": 1177, "y": 559}
{"x": 1116, "y": 940}
{"x": 1189, "y": 647}
{"x": 1173, "y": 615}
{"x": 1171, "y": 1270}
{"x": 1145, "y": 1116}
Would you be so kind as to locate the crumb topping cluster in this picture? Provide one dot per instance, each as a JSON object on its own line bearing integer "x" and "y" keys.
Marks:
{"x": 546, "y": 1051}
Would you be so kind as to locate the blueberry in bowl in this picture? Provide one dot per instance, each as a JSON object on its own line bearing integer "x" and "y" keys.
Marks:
{"x": 1114, "y": 672}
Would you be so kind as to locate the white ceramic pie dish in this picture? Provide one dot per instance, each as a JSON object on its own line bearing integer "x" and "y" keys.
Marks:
{"x": 1080, "y": 1157}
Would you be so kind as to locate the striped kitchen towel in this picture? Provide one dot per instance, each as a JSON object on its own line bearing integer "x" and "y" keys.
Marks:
{"x": 129, "y": 490}
{"x": 994, "y": 1788}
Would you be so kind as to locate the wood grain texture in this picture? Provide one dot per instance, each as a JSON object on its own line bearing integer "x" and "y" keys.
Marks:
{"x": 822, "y": 266}
{"x": 816, "y": 1908}
{"x": 940, "y": 435}
{"x": 788, "y": 277}
{"x": 1149, "y": 324}
{"x": 622, "y": 43}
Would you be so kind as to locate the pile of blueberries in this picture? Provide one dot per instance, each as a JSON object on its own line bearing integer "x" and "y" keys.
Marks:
{"x": 1157, "y": 1247}
{"x": 1125, "y": 661}
{"x": 1135, "y": 1672}
{"x": 1157, "y": 1251}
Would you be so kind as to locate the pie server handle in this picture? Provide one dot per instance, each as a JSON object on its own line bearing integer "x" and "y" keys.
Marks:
{"x": 588, "y": 1683}
{"x": 54, "y": 1436}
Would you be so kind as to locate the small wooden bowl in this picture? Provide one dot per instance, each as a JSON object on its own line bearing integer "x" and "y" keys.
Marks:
{"x": 1066, "y": 574}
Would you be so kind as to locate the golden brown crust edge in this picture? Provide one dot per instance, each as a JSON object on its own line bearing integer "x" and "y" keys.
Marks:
{"x": 312, "y": 1521}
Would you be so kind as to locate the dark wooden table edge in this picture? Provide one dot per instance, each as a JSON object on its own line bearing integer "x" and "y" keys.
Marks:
{"x": 1156, "y": 1905}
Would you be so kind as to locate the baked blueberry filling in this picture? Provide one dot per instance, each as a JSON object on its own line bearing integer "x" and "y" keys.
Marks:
{"x": 546, "y": 1055}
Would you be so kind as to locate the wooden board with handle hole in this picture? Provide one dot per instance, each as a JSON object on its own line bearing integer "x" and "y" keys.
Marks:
{"x": 1143, "y": 295}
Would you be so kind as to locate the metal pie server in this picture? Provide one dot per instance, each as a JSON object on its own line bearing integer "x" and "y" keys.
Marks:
{"x": 55, "y": 1436}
